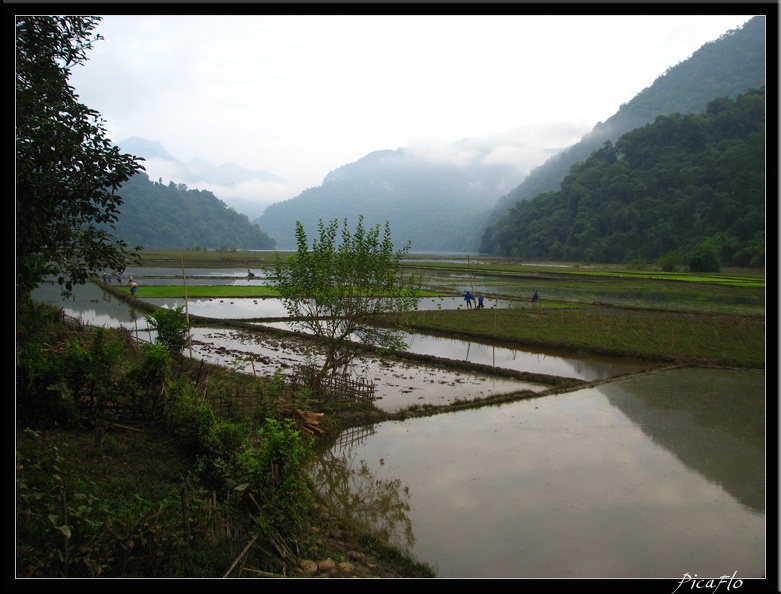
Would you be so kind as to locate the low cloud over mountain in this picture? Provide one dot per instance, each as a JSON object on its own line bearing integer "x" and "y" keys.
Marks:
{"x": 247, "y": 192}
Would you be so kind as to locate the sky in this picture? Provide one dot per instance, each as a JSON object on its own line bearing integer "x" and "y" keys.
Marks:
{"x": 300, "y": 96}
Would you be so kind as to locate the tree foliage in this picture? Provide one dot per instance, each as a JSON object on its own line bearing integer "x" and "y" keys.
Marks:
{"x": 667, "y": 187}
{"x": 333, "y": 289}
{"x": 67, "y": 171}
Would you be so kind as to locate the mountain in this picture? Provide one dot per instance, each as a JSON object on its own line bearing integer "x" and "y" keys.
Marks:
{"x": 725, "y": 67}
{"x": 247, "y": 191}
{"x": 685, "y": 189}
{"x": 436, "y": 203}
{"x": 453, "y": 204}
{"x": 154, "y": 215}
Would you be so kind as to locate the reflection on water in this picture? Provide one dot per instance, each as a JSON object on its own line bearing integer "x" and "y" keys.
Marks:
{"x": 399, "y": 385}
{"x": 724, "y": 424}
{"x": 549, "y": 362}
{"x": 585, "y": 367}
{"x": 636, "y": 478}
{"x": 652, "y": 476}
{"x": 377, "y": 506}
{"x": 96, "y": 306}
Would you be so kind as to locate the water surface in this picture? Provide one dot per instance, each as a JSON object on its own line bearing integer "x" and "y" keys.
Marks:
{"x": 651, "y": 476}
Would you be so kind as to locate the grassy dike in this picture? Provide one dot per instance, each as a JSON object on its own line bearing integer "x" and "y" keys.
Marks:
{"x": 682, "y": 338}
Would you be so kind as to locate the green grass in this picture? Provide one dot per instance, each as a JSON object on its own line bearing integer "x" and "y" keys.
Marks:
{"x": 209, "y": 259}
{"x": 754, "y": 277}
{"x": 733, "y": 341}
{"x": 698, "y": 277}
{"x": 215, "y": 291}
{"x": 204, "y": 291}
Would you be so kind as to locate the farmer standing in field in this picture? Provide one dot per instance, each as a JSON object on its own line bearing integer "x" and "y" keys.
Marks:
{"x": 133, "y": 287}
{"x": 535, "y": 298}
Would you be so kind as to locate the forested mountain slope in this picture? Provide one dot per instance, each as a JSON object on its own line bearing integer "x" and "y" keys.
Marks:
{"x": 688, "y": 188}
{"x": 725, "y": 67}
{"x": 154, "y": 215}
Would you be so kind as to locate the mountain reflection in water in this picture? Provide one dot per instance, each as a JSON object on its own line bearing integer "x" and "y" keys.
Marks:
{"x": 651, "y": 476}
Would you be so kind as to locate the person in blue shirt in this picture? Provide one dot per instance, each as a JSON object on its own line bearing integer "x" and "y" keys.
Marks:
{"x": 468, "y": 298}
{"x": 479, "y": 302}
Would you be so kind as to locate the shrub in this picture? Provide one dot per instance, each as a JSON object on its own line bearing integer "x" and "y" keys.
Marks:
{"x": 171, "y": 327}
{"x": 637, "y": 263}
{"x": 669, "y": 261}
{"x": 274, "y": 466}
{"x": 704, "y": 258}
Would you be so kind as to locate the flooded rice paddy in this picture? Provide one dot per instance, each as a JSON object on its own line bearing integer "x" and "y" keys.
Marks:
{"x": 640, "y": 475}
{"x": 644, "y": 477}
{"x": 399, "y": 385}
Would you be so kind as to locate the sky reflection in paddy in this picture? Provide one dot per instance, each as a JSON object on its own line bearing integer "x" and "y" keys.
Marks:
{"x": 584, "y": 484}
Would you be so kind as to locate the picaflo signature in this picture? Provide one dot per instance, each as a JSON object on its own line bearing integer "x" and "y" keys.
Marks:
{"x": 711, "y": 584}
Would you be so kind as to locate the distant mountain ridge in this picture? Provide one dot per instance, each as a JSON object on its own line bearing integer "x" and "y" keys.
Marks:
{"x": 456, "y": 200}
{"x": 156, "y": 215}
{"x": 196, "y": 170}
{"x": 435, "y": 204}
{"x": 686, "y": 189}
{"x": 247, "y": 191}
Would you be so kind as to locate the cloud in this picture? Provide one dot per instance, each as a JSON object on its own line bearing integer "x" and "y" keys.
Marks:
{"x": 249, "y": 197}
{"x": 522, "y": 157}
{"x": 252, "y": 197}
{"x": 495, "y": 150}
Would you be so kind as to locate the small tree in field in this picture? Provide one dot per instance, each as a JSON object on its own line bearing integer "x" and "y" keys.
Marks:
{"x": 332, "y": 290}
{"x": 172, "y": 328}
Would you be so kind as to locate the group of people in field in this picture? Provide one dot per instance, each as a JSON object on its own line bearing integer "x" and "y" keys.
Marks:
{"x": 469, "y": 298}
{"x": 108, "y": 276}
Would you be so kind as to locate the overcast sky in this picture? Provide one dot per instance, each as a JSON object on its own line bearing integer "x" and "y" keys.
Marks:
{"x": 299, "y": 96}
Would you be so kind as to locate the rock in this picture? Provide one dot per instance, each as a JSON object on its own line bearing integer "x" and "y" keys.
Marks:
{"x": 307, "y": 566}
{"x": 326, "y": 564}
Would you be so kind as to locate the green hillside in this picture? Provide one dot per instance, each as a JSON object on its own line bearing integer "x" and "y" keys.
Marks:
{"x": 154, "y": 215}
{"x": 689, "y": 188}
{"x": 724, "y": 67}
